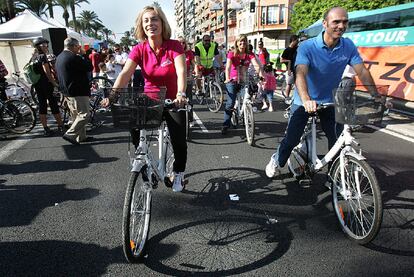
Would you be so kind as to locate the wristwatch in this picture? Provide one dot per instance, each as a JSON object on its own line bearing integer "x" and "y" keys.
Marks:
{"x": 182, "y": 94}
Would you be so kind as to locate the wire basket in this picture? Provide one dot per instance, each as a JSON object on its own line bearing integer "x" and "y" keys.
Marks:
{"x": 356, "y": 107}
{"x": 138, "y": 109}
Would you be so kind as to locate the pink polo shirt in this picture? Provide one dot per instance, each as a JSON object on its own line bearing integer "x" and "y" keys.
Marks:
{"x": 158, "y": 70}
{"x": 236, "y": 60}
{"x": 270, "y": 81}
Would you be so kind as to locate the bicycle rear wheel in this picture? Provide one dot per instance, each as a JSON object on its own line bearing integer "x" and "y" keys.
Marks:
{"x": 249, "y": 123}
{"x": 18, "y": 116}
{"x": 360, "y": 216}
{"x": 214, "y": 99}
{"x": 136, "y": 216}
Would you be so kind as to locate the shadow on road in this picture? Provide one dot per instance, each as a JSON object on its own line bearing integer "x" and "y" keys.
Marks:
{"x": 56, "y": 258}
{"x": 20, "y": 204}
{"x": 397, "y": 231}
{"x": 220, "y": 246}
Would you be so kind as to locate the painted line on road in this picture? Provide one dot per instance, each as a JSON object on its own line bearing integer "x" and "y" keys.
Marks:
{"x": 200, "y": 123}
{"x": 392, "y": 133}
{"x": 11, "y": 147}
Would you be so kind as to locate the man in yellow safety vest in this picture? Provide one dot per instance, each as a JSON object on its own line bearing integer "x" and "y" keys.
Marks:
{"x": 205, "y": 53}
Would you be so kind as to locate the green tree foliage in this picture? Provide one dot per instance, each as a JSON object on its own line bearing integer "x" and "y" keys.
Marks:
{"x": 37, "y": 6}
{"x": 307, "y": 12}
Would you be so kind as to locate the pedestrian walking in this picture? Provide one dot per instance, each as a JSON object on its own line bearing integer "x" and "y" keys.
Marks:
{"x": 72, "y": 70}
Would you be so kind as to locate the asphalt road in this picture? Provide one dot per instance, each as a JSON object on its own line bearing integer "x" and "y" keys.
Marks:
{"x": 61, "y": 209}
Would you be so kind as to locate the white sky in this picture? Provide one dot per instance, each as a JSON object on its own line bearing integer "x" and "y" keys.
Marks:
{"x": 119, "y": 15}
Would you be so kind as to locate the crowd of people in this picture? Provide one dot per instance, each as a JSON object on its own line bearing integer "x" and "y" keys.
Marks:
{"x": 315, "y": 67}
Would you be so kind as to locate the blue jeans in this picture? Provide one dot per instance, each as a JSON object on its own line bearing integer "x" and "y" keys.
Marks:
{"x": 296, "y": 126}
{"x": 232, "y": 90}
{"x": 268, "y": 94}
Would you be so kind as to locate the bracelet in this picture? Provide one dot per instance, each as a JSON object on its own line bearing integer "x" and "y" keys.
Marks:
{"x": 182, "y": 94}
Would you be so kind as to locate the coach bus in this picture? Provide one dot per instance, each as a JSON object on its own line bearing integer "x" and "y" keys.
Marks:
{"x": 385, "y": 40}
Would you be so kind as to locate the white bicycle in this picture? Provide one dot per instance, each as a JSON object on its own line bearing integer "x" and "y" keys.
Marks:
{"x": 356, "y": 194}
{"x": 144, "y": 111}
{"x": 243, "y": 108}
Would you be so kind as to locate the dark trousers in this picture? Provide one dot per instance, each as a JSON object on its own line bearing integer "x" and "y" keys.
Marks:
{"x": 232, "y": 90}
{"x": 176, "y": 122}
{"x": 296, "y": 126}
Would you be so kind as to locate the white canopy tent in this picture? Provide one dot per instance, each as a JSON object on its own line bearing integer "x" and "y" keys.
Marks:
{"x": 16, "y": 37}
{"x": 83, "y": 39}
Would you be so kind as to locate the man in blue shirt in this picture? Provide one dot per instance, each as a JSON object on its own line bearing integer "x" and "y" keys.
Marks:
{"x": 319, "y": 65}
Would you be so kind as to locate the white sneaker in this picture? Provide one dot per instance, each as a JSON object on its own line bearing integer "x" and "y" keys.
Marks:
{"x": 178, "y": 182}
{"x": 271, "y": 167}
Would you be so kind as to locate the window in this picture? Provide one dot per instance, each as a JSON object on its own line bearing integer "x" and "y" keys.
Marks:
{"x": 282, "y": 14}
{"x": 271, "y": 15}
{"x": 263, "y": 17}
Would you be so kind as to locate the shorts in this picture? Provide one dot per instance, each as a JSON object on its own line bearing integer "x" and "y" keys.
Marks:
{"x": 290, "y": 79}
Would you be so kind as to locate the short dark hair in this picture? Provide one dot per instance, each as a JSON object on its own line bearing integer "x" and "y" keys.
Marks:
{"x": 293, "y": 38}
{"x": 326, "y": 14}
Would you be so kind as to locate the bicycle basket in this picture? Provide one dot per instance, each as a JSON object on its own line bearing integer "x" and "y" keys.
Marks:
{"x": 138, "y": 109}
{"x": 356, "y": 107}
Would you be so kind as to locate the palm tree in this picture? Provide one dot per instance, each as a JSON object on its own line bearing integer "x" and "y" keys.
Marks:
{"x": 73, "y": 4}
{"x": 10, "y": 9}
{"x": 64, "y": 4}
{"x": 36, "y": 6}
{"x": 50, "y": 8}
{"x": 97, "y": 27}
{"x": 86, "y": 19}
{"x": 106, "y": 32}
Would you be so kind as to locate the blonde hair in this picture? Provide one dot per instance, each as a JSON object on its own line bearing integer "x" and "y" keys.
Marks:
{"x": 185, "y": 42}
{"x": 236, "y": 47}
{"x": 139, "y": 30}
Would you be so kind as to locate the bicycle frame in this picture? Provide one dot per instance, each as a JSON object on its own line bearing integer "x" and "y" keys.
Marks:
{"x": 343, "y": 146}
{"x": 144, "y": 155}
{"x": 243, "y": 94}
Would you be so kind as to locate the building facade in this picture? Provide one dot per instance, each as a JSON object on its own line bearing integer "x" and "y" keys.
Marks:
{"x": 260, "y": 20}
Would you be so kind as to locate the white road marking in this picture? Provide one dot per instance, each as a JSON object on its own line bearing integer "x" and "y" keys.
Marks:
{"x": 11, "y": 147}
{"x": 200, "y": 123}
{"x": 384, "y": 130}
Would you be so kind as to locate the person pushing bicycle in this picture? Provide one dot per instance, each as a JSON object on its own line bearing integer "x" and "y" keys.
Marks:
{"x": 319, "y": 65}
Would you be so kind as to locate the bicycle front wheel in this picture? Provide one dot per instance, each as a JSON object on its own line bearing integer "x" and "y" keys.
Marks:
{"x": 168, "y": 160}
{"x": 359, "y": 207}
{"x": 136, "y": 217}
{"x": 18, "y": 116}
{"x": 214, "y": 100}
{"x": 249, "y": 123}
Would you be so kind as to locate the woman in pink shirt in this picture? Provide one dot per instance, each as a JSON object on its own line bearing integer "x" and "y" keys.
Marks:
{"x": 162, "y": 62}
{"x": 238, "y": 62}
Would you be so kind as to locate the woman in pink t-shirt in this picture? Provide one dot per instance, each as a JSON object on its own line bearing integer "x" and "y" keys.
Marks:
{"x": 238, "y": 62}
{"x": 162, "y": 62}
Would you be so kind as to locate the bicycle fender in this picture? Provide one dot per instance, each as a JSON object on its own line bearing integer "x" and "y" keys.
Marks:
{"x": 357, "y": 156}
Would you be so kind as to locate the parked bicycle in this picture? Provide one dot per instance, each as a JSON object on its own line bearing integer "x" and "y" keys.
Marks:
{"x": 17, "y": 116}
{"x": 356, "y": 194}
{"x": 21, "y": 90}
{"x": 211, "y": 92}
